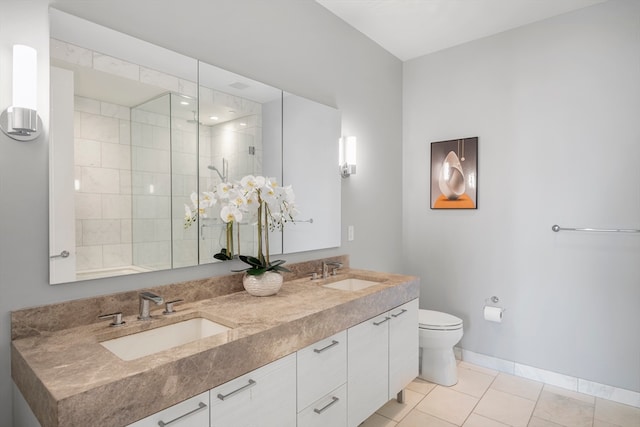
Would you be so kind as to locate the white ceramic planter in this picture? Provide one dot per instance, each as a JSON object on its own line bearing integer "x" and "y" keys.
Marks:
{"x": 268, "y": 283}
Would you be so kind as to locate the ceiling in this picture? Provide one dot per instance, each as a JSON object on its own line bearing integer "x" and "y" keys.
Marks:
{"x": 412, "y": 28}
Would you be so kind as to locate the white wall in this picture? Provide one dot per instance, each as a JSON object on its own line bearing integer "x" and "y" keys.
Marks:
{"x": 556, "y": 106}
{"x": 296, "y": 45}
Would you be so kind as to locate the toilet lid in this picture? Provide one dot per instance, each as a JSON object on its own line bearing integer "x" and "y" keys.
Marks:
{"x": 430, "y": 319}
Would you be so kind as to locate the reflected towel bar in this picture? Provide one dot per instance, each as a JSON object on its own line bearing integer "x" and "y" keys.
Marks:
{"x": 310, "y": 220}
{"x": 557, "y": 228}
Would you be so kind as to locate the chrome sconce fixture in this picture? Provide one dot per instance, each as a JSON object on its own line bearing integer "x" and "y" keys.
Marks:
{"x": 347, "y": 156}
{"x": 20, "y": 121}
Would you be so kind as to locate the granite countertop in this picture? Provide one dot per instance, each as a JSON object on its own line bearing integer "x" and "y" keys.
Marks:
{"x": 68, "y": 378}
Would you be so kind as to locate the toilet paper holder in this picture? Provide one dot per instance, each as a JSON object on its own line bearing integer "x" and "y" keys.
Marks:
{"x": 493, "y": 300}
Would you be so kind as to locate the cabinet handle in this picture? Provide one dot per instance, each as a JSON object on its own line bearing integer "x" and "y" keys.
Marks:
{"x": 325, "y": 407}
{"x": 382, "y": 321}
{"x": 320, "y": 350}
{"x": 63, "y": 254}
{"x": 403, "y": 311}
{"x": 244, "y": 387}
{"x": 200, "y": 407}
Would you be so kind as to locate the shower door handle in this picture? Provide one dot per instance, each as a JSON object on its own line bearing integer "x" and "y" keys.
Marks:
{"x": 63, "y": 254}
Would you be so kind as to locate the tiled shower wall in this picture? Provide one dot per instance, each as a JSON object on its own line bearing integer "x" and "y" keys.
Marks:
{"x": 184, "y": 176}
{"x": 103, "y": 187}
{"x": 151, "y": 187}
{"x": 239, "y": 142}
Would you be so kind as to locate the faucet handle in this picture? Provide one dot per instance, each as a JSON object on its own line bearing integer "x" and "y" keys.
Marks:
{"x": 168, "y": 306}
{"x": 116, "y": 318}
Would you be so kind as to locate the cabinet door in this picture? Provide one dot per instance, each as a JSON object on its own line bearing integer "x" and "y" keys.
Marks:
{"x": 368, "y": 368}
{"x": 262, "y": 398}
{"x": 403, "y": 346}
{"x": 193, "y": 412}
{"x": 322, "y": 367}
{"x": 329, "y": 411}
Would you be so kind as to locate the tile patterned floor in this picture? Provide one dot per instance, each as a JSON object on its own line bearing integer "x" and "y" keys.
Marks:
{"x": 486, "y": 398}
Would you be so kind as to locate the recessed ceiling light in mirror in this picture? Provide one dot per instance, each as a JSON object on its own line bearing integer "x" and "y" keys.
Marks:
{"x": 239, "y": 85}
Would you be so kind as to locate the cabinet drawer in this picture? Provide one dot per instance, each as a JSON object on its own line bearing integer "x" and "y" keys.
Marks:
{"x": 264, "y": 397}
{"x": 322, "y": 367}
{"x": 329, "y": 411}
{"x": 193, "y": 412}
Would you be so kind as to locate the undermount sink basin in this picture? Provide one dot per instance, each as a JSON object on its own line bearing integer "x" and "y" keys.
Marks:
{"x": 152, "y": 341}
{"x": 351, "y": 284}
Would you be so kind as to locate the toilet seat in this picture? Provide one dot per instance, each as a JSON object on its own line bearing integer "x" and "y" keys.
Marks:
{"x": 438, "y": 321}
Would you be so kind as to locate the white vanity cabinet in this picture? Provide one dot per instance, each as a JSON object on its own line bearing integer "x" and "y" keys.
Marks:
{"x": 192, "y": 412}
{"x": 264, "y": 397}
{"x": 403, "y": 346}
{"x": 382, "y": 359}
{"x": 368, "y": 368}
{"x": 321, "y": 383}
{"x": 336, "y": 382}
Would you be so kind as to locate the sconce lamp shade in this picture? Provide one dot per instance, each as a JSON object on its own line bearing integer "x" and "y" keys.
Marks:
{"x": 25, "y": 77}
{"x": 20, "y": 120}
{"x": 347, "y": 156}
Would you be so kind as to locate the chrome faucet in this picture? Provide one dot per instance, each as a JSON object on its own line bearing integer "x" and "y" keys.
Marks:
{"x": 145, "y": 297}
{"x": 325, "y": 268}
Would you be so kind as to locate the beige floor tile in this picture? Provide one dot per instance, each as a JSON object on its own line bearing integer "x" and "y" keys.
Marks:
{"x": 599, "y": 423}
{"x": 570, "y": 394}
{"x": 472, "y": 382}
{"x": 482, "y": 369}
{"x": 563, "y": 410}
{"x": 506, "y": 408}
{"x": 539, "y": 422}
{"x": 617, "y": 413}
{"x": 397, "y": 411}
{"x": 421, "y": 386}
{"x": 420, "y": 419}
{"x": 447, "y": 404}
{"x": 376, "y": 420}
{"x": 476, "y": 420}
{"x": 519, "y": 386}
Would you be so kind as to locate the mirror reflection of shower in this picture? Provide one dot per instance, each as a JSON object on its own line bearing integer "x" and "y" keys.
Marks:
{"x": 224, "y": 176}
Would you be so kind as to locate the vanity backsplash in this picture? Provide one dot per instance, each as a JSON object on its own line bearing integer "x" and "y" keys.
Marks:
{"x": 29, "y": 322}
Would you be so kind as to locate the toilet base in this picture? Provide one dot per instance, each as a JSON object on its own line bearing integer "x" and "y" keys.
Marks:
{"x": 438, "y": 366}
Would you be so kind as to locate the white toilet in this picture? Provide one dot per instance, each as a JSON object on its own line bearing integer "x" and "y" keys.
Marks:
{"x": 439, "y": 332}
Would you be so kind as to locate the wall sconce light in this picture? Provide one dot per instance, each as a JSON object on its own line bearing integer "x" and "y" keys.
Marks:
{"x": 347, "y": 160}
{"x": 20, "y": 120}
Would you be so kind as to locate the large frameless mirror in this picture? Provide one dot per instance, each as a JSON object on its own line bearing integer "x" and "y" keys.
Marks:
{"x": 139, "y": 133}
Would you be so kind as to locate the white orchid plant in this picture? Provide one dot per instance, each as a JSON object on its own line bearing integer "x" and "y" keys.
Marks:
{"x": 256, "y": 200}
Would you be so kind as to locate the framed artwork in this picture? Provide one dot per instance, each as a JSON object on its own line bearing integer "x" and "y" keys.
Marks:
{"x": 454, "y": 174}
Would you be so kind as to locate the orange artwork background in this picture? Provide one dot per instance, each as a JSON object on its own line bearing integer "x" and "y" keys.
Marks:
{"x": 463, "y": 202}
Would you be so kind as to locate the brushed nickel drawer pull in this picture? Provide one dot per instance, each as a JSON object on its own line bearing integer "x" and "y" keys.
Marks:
{"x": 403, "y": 311}
{"x": 320, "y": 350}
{"x": 200, "y": 407}
{"x": 325, "y": 407}
{"x": 382, "y": 321}
{"x": 234, "y": 392}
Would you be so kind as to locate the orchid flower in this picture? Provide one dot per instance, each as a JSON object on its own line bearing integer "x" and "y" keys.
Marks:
{"x": 230, "y": 213}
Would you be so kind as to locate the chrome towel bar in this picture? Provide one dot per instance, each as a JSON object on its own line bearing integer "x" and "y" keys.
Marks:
{"x": 557, "y": 228}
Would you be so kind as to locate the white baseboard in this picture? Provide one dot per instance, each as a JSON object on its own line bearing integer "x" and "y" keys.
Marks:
{"x": 579, "y": 385}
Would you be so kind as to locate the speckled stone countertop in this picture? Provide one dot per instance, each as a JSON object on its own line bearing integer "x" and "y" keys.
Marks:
{"x": 69, "y": 379}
